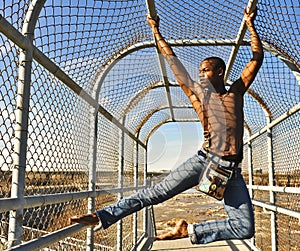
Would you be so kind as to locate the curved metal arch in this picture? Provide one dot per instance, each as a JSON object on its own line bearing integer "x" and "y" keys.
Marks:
{"x": 143, "y": 92}
{"x": 261, "y": 102}
{"x": 253, "y": 94}
{"x": 146, "y": 118}
{"x": 155, "y": 128}
{"x": 289, "y": 61}
{"x": 140, "y": 95}
{"x": 135, "y": 99}
{"x": 101, "y": 75}
{"x": 121, "y": 54}
{"x": 267, "y": 46}
{"x": 246, "y": 126}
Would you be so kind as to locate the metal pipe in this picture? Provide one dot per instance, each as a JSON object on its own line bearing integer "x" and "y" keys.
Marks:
{"x": 136, "y": 181}
{"x": 15, "y": 230}
{"x": 202, "y": 42}
{"x": 152, "y": 12}
{"x": 145, "y": 184}
{"x": 277, "y": 209}
{"x": 250, "y": 168}
{"x": 139, "y": 244}
{"x": 51, "y": 238}
{"x": 289, "y": 61}
{"x": 7, "y": 204}
{"x": 20, "y": 146}
{"x": 121, "y": 184}
{"x": 295, "y": 190}
{"x": 290, "y": 112}
{"x": 241, "y": 33}
{"x": 251, "y": 245}
{"x": 92, "y": 172}
{"x": 271, "y": 184}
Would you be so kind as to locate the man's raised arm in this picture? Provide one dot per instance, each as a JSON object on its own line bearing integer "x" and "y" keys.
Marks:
{"x": 250, "y": 71}
{"x": 182, "y": 76}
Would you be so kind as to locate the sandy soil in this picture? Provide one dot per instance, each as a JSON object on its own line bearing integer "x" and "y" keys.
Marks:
{"x": 192, "y": 206}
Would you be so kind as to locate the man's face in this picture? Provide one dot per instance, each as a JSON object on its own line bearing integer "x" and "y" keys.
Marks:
{"x": 208, "y": 74}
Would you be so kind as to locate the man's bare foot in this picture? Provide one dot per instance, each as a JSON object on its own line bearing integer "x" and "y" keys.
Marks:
{"x": 180, "y": 231}
{"x": 87, "y": 219}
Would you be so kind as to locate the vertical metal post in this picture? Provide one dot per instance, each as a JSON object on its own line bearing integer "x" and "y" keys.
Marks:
{"x": 121, "y": 185}
{"x": 20, "y": 147}
{"x": 21, "y": 126}
{"x": 92, "y": 172}
{"x": 271, "y": 184}
{"x": 145, "y": 184}
{"x": 136, "y": 177}
{"x": 250, "y": 168}
{"x": 250, "y": 178}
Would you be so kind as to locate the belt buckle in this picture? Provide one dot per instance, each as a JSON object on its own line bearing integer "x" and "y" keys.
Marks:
{"x": 216, "y": 159}
{"x": 225, "y": 163}
{"x": 222, "y": 162}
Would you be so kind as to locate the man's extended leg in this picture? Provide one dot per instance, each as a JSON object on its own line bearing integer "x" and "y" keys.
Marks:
{"x": 240, "y": 222}
{"x": 182, "y": 178}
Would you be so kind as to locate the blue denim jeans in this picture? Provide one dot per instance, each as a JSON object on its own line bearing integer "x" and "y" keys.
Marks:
{"x": 240, "y": 222}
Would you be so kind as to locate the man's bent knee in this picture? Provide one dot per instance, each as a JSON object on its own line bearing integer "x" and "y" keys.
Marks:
{"x": 245, "y": 231}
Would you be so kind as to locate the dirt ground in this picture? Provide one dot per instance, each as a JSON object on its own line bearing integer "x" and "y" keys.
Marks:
{"x": 192, "y": 206}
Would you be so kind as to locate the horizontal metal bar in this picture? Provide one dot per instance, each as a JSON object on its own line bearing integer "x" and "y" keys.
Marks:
{"x": 249, "y": 244}
{"x": 8, "y": 204}
{"x": 284, "y": 116}
{"x": 48, "y": 239}
{"x": 277, "y": 209}
{"x": 295, "y": 190}
{"x": 208, "y": 42}
{"x": 10, "y": 32}
{"x": 139, "y": 241}
{"x": 180, "y": 42}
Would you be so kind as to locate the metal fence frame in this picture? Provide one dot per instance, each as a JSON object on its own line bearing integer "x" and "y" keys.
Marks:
{"x": 18, "y": 201}
{"x": 271, "y": 206}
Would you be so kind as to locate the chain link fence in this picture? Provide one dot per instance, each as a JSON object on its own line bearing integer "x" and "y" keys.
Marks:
{"x": 83, "y": 89}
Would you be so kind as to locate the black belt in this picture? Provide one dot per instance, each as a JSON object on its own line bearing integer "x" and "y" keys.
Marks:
{"x": 227, "y": 164}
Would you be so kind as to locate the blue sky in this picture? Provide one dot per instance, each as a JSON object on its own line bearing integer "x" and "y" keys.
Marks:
{"x": 172, "y": 144}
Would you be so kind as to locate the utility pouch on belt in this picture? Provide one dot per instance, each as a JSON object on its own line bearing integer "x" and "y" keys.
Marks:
{"x": 214, "y": 180}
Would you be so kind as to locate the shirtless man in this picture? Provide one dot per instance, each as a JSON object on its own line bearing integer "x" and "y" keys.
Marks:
{"x": 221, "y": 114}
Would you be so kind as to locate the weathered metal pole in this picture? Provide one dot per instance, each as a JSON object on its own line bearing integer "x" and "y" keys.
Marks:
{"x": 92, "y": 172}
{"x": 21, "y": 125}
{"x": 271, "y": 184}
{"x": 136, "y": 184}
{"x": 121, "y": 184}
